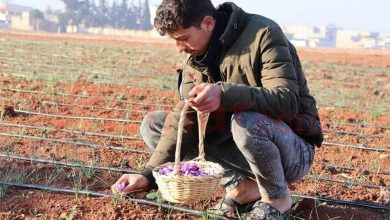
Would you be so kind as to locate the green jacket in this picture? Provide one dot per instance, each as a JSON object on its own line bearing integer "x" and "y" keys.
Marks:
{"x": 260, "y": 72}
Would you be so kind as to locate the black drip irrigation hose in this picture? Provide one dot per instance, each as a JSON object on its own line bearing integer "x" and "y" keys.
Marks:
{"x": 85, "y": 97}
{"x": 356, "y": 134}
{"x": 317, "y": 178}
{"x": 70, "y": 131}
{"x": 95, "y": 146}
{"x": 80, "y": 118}
{"x": 365, "y": 110}
{"x": 361, "y": 147}
{"x": 41, "y": 160}
{"x": 142, "y": 84}
{"x": 363, "y": 125}
{"x": 94, "y": 107}
{"x": 352, "y": 203}
{"x": 104, "y": 195}
{"x": 349, "y": 183}
{"x": 356, "y": 168}
{"x": 179, "y": 208}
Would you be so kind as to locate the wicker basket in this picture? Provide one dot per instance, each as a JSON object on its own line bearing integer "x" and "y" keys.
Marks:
{"x": 183, "y": 189}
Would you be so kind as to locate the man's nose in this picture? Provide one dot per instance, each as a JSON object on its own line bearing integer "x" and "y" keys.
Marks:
{"x": 180, "y": 47}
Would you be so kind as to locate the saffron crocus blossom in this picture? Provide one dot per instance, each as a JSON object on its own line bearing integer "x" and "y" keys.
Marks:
{"x": 121, "y": 186}
{"x": 186, "y": 169}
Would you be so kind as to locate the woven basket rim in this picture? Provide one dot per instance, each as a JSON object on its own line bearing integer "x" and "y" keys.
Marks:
{"x": 217, "y": 166}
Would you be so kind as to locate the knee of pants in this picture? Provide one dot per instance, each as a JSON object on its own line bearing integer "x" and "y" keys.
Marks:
{"x": 248, "y": 126}
{"x": 151, "y": 127}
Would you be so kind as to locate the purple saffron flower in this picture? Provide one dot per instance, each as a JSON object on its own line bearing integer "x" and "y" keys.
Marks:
{"x": 121, "y": 186}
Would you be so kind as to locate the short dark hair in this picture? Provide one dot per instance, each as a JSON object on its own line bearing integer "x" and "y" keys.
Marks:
{"x": 173, "y": 14}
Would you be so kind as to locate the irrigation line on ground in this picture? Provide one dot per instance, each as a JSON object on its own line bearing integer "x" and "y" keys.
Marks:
{"x": 41, "y": 160}
{"x": 80, "y": 118}
{"x": 95, "y": 146}
{"x": 361, "y": 147}
{"x": 32, "y": 159}
{"x": 70, "y": 131}
{"x": 94, "y": 107}
{"x": 365, "y": 110}
{"x": 365, "y": 125}
{"x": 350, "y": 183}
{"x": 352, "y": 203}
{"x": 98, "y": 194}
{"x": 356, "y": 134}
{"x": 174, "y": 207}
{"x": 354, "y": 168}
{"x": 86, "y": 97}
{"x": 74, "y": 79}
{"x": 136, "y": 121}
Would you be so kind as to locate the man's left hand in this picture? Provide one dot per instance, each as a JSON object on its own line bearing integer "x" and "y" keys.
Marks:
{"x": 207, "y": 97}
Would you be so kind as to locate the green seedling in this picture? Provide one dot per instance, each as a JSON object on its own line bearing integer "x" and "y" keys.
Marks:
{"x": 35, "y": 213}
{"x": 116, "y": 199}
{"x": 71, "y": 215}
{"x": 76, "y": 179}
{"x": 156, "y": 196}
{"x": 49, "y": 177}
{"x": 88, "y": 171}
{"x": 140, "y": 162}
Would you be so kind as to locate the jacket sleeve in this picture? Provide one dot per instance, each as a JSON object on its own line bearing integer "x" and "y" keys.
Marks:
{"x": 278, "y": 94}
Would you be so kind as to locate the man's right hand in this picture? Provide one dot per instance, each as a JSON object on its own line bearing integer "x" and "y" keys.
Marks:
{"x": 132, "y": 183}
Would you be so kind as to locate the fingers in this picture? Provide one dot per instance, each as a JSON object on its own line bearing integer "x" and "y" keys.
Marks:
{"x": 197, "y": 89}
{"x": 208, "y": 97}
{"x": 120, "y": 184}
{"x": 129, "y": 183}
{"x": 124, "y": 178}
{"x": 124, "y": 185}
{"x": 199, "y": 99}
{"x": 206, "y": 108}
{"x": 199, "y": 93}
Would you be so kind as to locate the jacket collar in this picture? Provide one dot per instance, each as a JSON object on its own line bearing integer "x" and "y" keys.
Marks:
{"x": 235, "y": 25}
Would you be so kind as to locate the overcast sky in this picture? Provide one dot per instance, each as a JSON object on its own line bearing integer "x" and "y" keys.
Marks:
{"x": 371, "y": 15}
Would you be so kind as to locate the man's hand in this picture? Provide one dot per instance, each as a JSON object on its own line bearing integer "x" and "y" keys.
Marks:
{"x": 207, "y": 97}
{"x": 130, "y": 183}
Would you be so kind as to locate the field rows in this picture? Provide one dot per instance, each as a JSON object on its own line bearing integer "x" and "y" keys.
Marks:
{"x": 70, "y": 117}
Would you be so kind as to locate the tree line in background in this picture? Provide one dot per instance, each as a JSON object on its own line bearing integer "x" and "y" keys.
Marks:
{"x": 121, "y": 15}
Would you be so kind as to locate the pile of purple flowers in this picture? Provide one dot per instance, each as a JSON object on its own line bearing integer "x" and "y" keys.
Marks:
{"x": 186, "y": 169}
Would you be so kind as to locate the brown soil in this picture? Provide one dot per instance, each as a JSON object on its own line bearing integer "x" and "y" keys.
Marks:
{"x": 19, "y": 203}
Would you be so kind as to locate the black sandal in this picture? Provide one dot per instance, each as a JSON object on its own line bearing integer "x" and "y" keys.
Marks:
{"x": 230, "y": 208}
{"x": 264, "y": 211}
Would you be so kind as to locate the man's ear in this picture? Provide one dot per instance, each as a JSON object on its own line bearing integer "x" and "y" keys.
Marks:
{"x": 208, "y": 23}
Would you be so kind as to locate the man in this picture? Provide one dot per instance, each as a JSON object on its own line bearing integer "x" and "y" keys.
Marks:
{"x": 263, "y": 123}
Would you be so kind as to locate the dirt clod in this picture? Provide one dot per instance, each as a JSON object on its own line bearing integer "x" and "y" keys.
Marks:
{"x": 8, "y": 111}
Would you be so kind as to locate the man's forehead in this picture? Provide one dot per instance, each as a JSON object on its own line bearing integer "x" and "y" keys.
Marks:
{"x": 178, "y": 34}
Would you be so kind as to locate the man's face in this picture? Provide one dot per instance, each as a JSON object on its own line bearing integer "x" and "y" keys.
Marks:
{"x": 194, "y": 40}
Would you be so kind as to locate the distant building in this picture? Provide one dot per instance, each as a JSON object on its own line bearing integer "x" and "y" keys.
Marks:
{"x": 308, "y": 36}
{"x": 3, "y": 17}
{"x": 332, "y": 36}
{"x": 9, "y": 11}
{"x": 384, "y": 42}
{"x": 19, "y": 18}
{"x": 356, "y": 39}
{"x": 21, "y": 22}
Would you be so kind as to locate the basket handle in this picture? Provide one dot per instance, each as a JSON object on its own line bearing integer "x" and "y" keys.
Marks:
{"x": 202, "y": 122}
